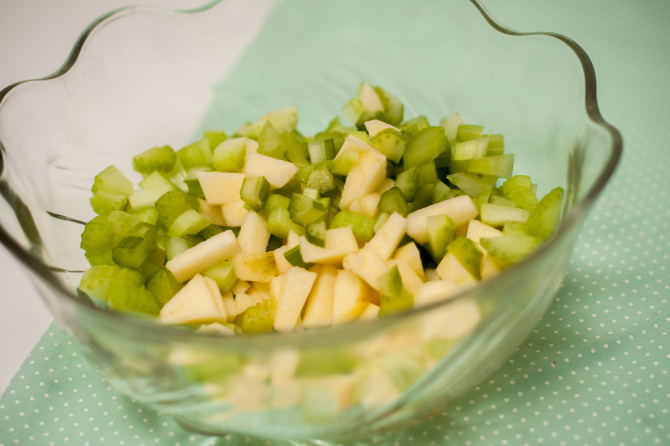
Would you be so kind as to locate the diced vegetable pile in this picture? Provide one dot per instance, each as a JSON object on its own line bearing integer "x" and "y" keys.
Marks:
{"x": 272, "y": 230}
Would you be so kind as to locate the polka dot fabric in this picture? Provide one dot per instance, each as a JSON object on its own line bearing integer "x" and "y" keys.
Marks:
{"x": 595, "y": 370}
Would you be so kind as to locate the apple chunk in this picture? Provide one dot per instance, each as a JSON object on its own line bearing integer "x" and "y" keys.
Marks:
{"x": 193, "y": 304}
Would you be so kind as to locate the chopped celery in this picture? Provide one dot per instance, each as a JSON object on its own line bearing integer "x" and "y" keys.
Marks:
{"x": 395, "y": 304}
{"x": 163, "y": 286}
{"x": 98, "y": 236}
{"x": 257, "y": 319}
{"x": 254, "y": 192}
{"x": 215, "y": 138}
{"x": 279, "y": 223}
{"x": 496, "y": 145}
{"x": 195, "y": 155}
{"x": 391, "y": 143}
{"x": 393, "y": 108}
{"x": 321, "y": 179}
{"x": 137, "y": 299}
{"x": 189, "y": 222}
{"x": 269, "y": 142}
{"x": 471, "y": 149}
{"x": 161, "y": 159}
{"x": 416, "y": 125}
{"x": 545, "y": 216}
{"x": 170, "y": 206}
{"x": 113, "y": 181}
{"x": 321, "y": 150}
{"x": 440, "y": 234}
{"x": 393, "y": 201}
{"x": 304, "y": 210}
{"x": 274, "y": 201}
{"x": 390, "y": 282}
{"x": 427, "y": 172}
{"x": 104, "y": 202}
{"x": 471, "y": 183}
{"x": 441, "y": 192}
{"x": 295, "y": 148}
{"x": 408, "y": 182}
{"x": 315, "y": 232}
{"x": 425, "y": 146}
{"x": 362, "y": 226}
{"x": 511, "y": 248}
{"x": 294, "y": 257}
{"x": 223, "y": 274}
{"x": 229, "y": 155}
{"x": 467, "y": 132}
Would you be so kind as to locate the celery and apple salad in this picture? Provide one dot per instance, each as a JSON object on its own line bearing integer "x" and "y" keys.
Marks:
{"x": 271, "y": 230}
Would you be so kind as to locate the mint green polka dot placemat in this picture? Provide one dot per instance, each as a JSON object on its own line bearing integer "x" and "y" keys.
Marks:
{"x": 595, "y": 370}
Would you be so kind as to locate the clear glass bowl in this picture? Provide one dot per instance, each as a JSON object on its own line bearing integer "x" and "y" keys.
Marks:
{"x": 141, "y": 77}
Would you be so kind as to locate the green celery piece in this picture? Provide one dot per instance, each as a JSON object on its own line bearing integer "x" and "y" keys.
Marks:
{"x": 104, "y": 202}
{"x": 135, "y": 299}
{"x": 390, "y": 283}
{"x": 467, "y": 254}
{"x": 441, "y": 192}
{"x": 257, "y": 319}
{"x": 423, "y": 197}
{"x": 395, "y": 304}
{"x": 496, "y": 145}
{"x": 311, "y": 193}
{"x": 337, "y": 137}
{"x": 427, "y": 172}
{"x": 499, "y": 165}
{"x": 247, "y": 129}
{"x": 472, "y": 184}
{"x": 440, "y": 234}
{"x": 393, "y": 108}
{"x": 369, "y": 115}
{"x": 321, "y": 179}
{"x": 97, "y": 280}
{"x": 294, "y": 257}
{"x": 467, "y": 132}
{"x": 415, "y": 126}
{"x": 279, "y": 223}
{"x": 444, "y": 159}
{"x": 425, "y": 146}
{"x": 519, "y": 190}
{"x": 161, "y": 159}
{"x": 496, "y": 215}
{"x": 272, "y": 202}
{"x": 133, "y": 250}
{"x": 283, "y": 120}
{"x": 393, "y": 200}
{"x": 295, "y": 148}
{"x": 148, "y": 215}
{"x": 516, "y": 182}
{"x": 175, "y": 246}
{"x": 254, "y": 192}
{"x": 361, "y": 225}
{"x": 321, "y": 150}
{"x": 314, "y": 363}
{"x": 391, "y": 143}
{"x": 274, "y": 242}
{"x": 163, "y": 286}
{"x": 98, "y": 236}
{"x": 501, "y": 201}
{"x": 510, "y": 249}
{"x": 189, "y": 222}
{"x": 315, "y": 232}
{"x": 304, "y": 210}
{"x": 102, "y": 258}
{"x": 113, "y": 181}
{"x": 170, "y": 206}
{"x": 223, "y": 274}
{"x": 514, "y": 228}
{"x": 197, "y": 154}
{"x": 545, "y": 216}
{"x": 157, "y": 182}
{"x": 471, "y": 149}
{"x": 269, "y": 142}
{"x": 380, "y": 220}
{"x": 123, "y": 224}
{"x": 408, "y": 182}
{"x": 215, "y": 138}
{"x": 229, "y": 156}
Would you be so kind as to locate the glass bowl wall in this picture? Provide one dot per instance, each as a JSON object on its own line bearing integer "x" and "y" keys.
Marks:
{"x": 142, "y": 77}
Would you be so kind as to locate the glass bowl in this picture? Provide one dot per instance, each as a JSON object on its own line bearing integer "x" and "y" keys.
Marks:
{"x": 141, "y": 77}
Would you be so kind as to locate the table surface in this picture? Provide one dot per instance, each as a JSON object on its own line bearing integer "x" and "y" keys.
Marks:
{"x": 627, "y": 42}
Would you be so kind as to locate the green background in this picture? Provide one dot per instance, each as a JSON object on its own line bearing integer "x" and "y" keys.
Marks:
{"x": 595, "y": 370}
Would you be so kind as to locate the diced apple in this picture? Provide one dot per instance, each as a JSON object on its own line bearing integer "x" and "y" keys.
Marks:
{"x": 370, "y": 312}
{"x": 283, "y": 265}
{"x": 318, "y": 310}
{"x": 212, "y": 212}
{"x": 489, "y": 267}
{"x": 234, "y": 213}
{"x": 349, "y": 297}
{"x": 277, "y": 288}
{"x": 386, "y": 239}
{"x": 460, "y": 209}
{"x": 339, "y": 242}
{"x": 192, "y": 304}
{"x": 243, "y": 301}
{"x": 366, "y": 176}
{"x": 254, "y": 235}
{"x": 221, "y": 187}
{"x": 452, "y": 270}
{"x": 292, "y": 240}
{"x": 298, "y": 284}
{"x": 369, "y": 204}
{"x": 455, "y": 320}
{"x": 277, "y": 172}
{"x": 324, "y": 398}
{"x": 387, "y": 184}
{"x": 370, "y": 99}
{"x": 229, "y": 304}
{"x": 255, "y": 267}
{"x": 478, "y": 230}
{"x": 375, "y": 126}
{"x": 251, "y": 148}
{"x": 410, "y": 254}
{"x": 204, "y": 255}
{"x": 216, "y": 296}
{"x": 410, "y": 280}
{"x": 435, "y": 291}
{"x": 240, "y": 286}
{"x": 367, "y": 265}
{"x": 217, "y": 328}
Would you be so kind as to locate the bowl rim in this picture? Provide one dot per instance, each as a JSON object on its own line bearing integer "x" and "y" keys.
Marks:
{"x": 45, "y": 272}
